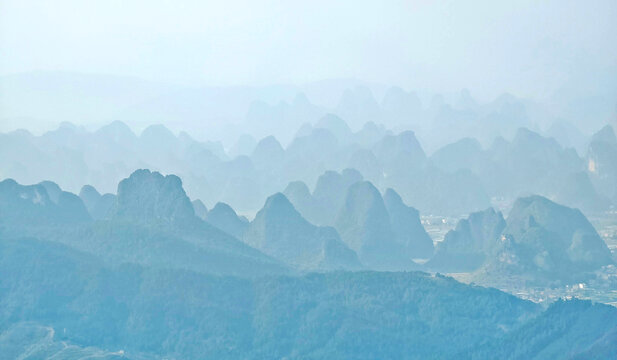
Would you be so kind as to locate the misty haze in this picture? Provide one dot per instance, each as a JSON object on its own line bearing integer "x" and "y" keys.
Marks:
{"x": 318, "y": 180}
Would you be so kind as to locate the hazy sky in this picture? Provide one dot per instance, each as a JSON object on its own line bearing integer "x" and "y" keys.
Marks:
{"x": 529, "y": 48}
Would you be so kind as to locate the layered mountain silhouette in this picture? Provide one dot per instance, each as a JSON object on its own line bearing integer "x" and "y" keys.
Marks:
{"x": 99, "y": 206}
{"x": 470, "y": 244}
{"x": 201, "y": 211}
{"x": 151, "y": 197}
{"x": 407, "y": 228}
{"x": 151, "y": 222}
{"x": 552, "y": 240}
{"x": 165, "y": 263}
{"x": 456, "y": 179}
{"x": 364, "y": 225}
{"x": 332, "y": 197}
{"x": 225, "y": 218}
{"x": 280, "y": 231}
{"x": 530, "y": 163}
{"x": 540, "y": 241}
{"x": 25, "y": 206}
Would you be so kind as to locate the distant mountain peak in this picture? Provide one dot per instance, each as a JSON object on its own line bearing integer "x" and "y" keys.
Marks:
{"x": 278, "y": 203}
{"x": 280, "y": 231}
{"x": 53, "y": 190}
{"x": 225, "y": 218}
{"x": 606, "y": 134}
{"x": 149, "y": 196}
{"x": 269, "y": 142}
{"x": 158, "y": 135}
{"x": 565, "y": 234}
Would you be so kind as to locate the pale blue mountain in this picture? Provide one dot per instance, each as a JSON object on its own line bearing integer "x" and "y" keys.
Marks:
{"x": 215, "y": 147}
{"x": 99, "y": 206}
{"x": 104, "y": 207}
{"x": 280, "y": 231}
{"x": 449, "y": 124}
{"x": 197, "y": 156}
{"x": 298, "y": 193}
{"x": 554, "y": 239}
{"x": 157, "y": 141}
{"x": 578, "y": 191}
{"x": 465, "y": 101}
{"x": 470, "y": 244}
{"x": 568, "y": 135}
{"x": 281, "y": 119}
{"x": 72, "y": 208}
{"x": 457, "y": 179}
{"x": 466, "y": 153}
{"x": 506, "y": 114}
{"x": 159, "y": 205}
{"x": 320, "y": 146}
{"x": 67, "y": 135}
{"x": 53, "y": 190}
{"x": 541, "y": 242}
{"x": 225, "y": 218}
{"x": 404, "y": 166}
{"x": 399, "y": 152}
{"x": 358, "y": 106}
{"x": 365, "y": 161}
{"x": 401, "y": 107}
{"x": 329, "y": 194}
{"x": 23, "y": 207}
{"x": 243, "y": 146}
{"x": 268, "y": 153}
{"x": 434, "y": 191}
{"x": 407, "y": 228}
{"x": 304, "y": 130}
{"x": 118, "y": 133}
{"x": 337, "y": 126}
{"x": 149, "y": 197}
{"x": 151, "y": 222}
{"x": 201, "y": 211}
{"x": 532, "y": 163}
{"x": 365, "y": 226}
{"x": 370, "y": 134}
{"x": 90, "y": 196}
{"x": 236, "y": 182}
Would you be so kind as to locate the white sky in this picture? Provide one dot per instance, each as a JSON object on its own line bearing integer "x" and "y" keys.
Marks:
{"x": 529, "y": 48}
